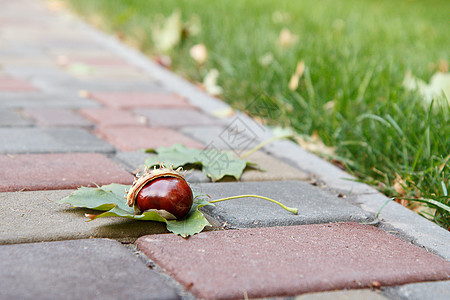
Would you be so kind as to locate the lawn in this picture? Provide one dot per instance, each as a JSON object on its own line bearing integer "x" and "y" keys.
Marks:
{"x": 350, "y": 58}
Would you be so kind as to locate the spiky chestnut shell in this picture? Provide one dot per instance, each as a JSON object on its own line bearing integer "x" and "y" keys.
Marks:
{"x": 164, "y": 190}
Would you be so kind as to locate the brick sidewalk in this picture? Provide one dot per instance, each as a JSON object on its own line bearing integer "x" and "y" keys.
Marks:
{"x": 76, "y": 106}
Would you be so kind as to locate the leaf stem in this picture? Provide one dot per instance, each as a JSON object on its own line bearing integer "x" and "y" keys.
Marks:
{"x": 291, "y": 209}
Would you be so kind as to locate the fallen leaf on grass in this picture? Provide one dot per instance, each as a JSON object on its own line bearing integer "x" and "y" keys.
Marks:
{"x": 287, "y": 38}
{"x": 210, "y": 83}
{"x": 438, "y": 89}
{"x": 294, "y": 81}
{"x": 167, "y": 34}
{"x": 315, "y": 144}
{"x": 199, "y": 53}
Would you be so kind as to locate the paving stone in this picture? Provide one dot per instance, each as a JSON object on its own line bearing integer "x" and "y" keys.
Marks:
{"x": 58, "y": 171}
{"x": 111, "y": 116}
{"x": 29, "y": 72}
{"x": 288, "y": 261}
{"x": 103, "y": 59}
{"x": 344, "y": 295}
{"x": 132, "y": 138}
{"x": 10, "y": 118}
{"x": 35, "y": 217}
{"x": 37, "y": 140}
{"x": 176, "y": 117}
{"x": 406, "y": 223}
{"x": 74, "y": 85}
{"x": 138, "y": 99}
{"x": 273, "y": 169}
{"x": 20, "y": 100}
{"x": 333, "y": 177}
{"x": 314, "y": 205}
{"x": 15, "y": 85}
{"x": 86, "y": 72}
{"x": 57, "y": 117}
{"x": 219, "y": 137}
{"x": 82, "y": 269}
{"x": 436, "y": 290}
{"x": 239, "y": 133}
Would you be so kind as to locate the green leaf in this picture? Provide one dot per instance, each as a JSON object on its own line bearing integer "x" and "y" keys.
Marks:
{"x": 193, "y": 223}
{"x": 214, "y": 164}
{"x": 100, "y": 198}
{"x": 111, "y": 199}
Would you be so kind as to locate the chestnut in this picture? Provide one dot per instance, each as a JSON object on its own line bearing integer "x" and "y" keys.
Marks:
{"x": 164, "y": 190}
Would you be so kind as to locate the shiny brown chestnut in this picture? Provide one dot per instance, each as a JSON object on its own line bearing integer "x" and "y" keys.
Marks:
{"x": 163, "y": 190}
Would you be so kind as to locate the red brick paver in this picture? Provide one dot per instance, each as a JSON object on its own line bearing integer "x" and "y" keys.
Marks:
{"x": 138, "y": 99}
{"x": 111, "y": 116}
{"x": 287, "y": 261}
{"x": 15, "y": 85}
{"x": 132, "y": 138}
{"x": 58, "y": 171}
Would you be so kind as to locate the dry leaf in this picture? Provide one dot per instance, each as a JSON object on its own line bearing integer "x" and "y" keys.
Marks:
{"x": 199, "y": 53}
{"x": 329, "y": 105}
{"x": 293, "y": 82}
{"x": 438, "y": 89}
{"x": 295, "y": 78}
{"x": 315, "y": 144}
{"x": 223, "y": 113}
{"x": 210, "y": 83}
{"x": 167, "y": 35}
{"x": 399, "y": 185}
{"x": 287, "y": 38}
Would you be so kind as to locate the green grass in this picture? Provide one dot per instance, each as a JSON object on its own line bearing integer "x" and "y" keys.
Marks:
{"x": 356, "y": 54}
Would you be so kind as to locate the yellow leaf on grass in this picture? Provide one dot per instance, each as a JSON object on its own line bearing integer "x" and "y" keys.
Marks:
{"x": 438, "y": 89}
{"x": 287, "y": 38}
{"x": 199, "y": 53}
{"x": 315, "y": 144}
{"x": 295, "y": 78}
{"x": 168, "y": 34}
{"x": 210, "y": 83}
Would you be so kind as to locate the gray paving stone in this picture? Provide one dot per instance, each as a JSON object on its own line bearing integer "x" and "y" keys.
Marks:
{"x": 344, "y": 295}
{"x": 334, "y": 178}
{"x": 36, "y": 217}
{"x": 27, "y": 72}
{"x": 406, "y": 223}
{"x": 37, "y": 140}
{"x": 9, "y": 100}
{"x": 273, "y": 169}
{"x": 176, "y": 118}
{"x": 74, "y": 85}
{"x": 10, "y": 118}
{"x": 433, "y": 290}
{"x": 219, "y": 137}
{"x": 56, "y": 117}
{"x": 82, "y": 269}
{"x": 314, "y": 205}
